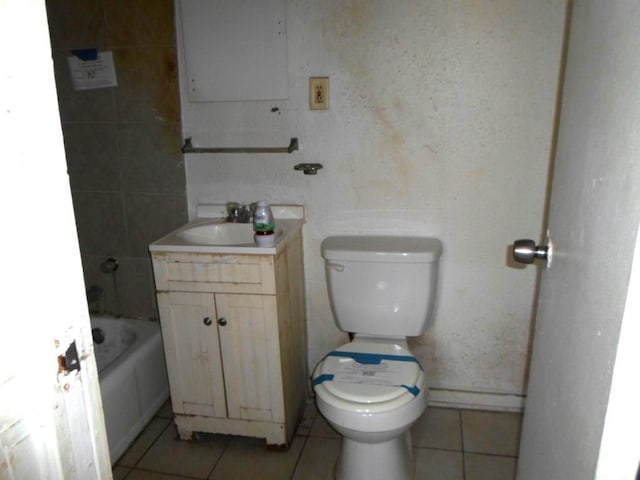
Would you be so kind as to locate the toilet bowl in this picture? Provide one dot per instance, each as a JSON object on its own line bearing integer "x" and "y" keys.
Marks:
{"x": 372, "y": 390}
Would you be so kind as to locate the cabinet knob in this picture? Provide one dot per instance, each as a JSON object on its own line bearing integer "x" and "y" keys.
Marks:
{"x": 207, "y": 321}
{"x": 222, "y": 321}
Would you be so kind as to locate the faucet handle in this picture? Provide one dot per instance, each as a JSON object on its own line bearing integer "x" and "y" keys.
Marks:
{"x": 240, "y": 213}
{"x": 244, "y": 214}
{"x": 233, "y": 209}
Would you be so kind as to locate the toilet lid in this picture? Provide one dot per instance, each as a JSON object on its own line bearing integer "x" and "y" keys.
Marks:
{"x": 368, "y": 372}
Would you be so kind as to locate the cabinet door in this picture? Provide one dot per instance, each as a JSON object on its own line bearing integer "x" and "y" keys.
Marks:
{"x": 250, "y": 356}
{"x": 190, "y": 335}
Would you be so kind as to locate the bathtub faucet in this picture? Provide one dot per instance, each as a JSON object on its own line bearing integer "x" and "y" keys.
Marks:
{"x": 237, "y": 213}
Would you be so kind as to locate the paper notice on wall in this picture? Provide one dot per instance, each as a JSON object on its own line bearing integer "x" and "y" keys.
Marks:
{"x": 385, "y": 373}
{"x": 98, "y": 72}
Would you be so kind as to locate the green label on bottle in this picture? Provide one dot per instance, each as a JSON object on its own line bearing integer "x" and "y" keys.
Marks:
{"x": 264, "y": 227}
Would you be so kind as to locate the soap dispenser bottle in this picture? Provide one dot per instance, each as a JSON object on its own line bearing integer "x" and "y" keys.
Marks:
{"x": 264, "y": 225}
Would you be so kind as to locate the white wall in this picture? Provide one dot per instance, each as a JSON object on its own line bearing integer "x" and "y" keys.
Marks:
{"x": 440, "y": 123}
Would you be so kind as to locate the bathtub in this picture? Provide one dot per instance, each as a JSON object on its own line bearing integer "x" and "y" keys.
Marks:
{"x": 133, "y": 376}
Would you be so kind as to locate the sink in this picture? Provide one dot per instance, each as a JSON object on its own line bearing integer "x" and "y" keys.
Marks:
{"x": 211, "y": 233}
{"x": 219, "y": 234}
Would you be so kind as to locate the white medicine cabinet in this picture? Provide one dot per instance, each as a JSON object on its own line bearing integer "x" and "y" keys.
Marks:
{"x": 234, "y": 50}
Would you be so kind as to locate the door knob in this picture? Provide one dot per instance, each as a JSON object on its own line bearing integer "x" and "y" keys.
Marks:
{"x": 222, "y": 321}
{"x": 526, "y": 251}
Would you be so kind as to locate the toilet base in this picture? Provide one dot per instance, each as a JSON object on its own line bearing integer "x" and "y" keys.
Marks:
{"x": 392, "y": 459}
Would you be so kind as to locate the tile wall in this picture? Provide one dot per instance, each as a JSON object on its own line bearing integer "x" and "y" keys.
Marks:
{"x": 123, "y": 143}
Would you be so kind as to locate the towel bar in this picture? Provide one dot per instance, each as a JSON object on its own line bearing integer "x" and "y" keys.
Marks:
{"x": 187, "y": 147}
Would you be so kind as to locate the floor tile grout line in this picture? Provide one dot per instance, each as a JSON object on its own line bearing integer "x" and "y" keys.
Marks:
{"x": 224, "y": 450}
{"x": 306, "y": 440}
{"x": 437, "y": 449}
{"x": 462, "y": 446}
{"x": 515, "y": 457}
{"x": 295, "y": 466}
{"x": 164, "y": 474}
{"x": 135, "y": 465}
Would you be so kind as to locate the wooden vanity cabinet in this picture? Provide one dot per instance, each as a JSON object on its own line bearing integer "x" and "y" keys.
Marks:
{"x": 233, "y": 328}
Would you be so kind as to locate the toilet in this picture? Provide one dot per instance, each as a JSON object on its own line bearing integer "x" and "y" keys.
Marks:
{"x": 372, "y": 389}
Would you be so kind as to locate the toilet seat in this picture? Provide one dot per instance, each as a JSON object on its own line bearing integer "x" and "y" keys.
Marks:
{"x": 369, "y": 374}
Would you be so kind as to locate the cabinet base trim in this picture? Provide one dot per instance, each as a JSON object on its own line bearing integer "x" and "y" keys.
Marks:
{"x": 274, "y": 433}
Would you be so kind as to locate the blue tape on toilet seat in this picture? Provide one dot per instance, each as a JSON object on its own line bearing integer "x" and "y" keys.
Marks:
{"x": 373, "y": 358}
{"x": 325, "y": 377}
{"x": 413, "y": 390}
{"x": 369, "y": 359}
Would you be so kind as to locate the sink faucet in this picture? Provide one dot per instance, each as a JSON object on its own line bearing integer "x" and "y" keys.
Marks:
{"x": 237, "y": 213}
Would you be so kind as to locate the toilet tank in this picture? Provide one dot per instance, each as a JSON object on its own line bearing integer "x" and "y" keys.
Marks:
{"x": 382, "y": 285}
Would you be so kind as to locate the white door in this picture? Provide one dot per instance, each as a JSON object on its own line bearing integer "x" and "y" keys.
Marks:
{"x": 593, "y": 222}
{"x": 51, "y": 424}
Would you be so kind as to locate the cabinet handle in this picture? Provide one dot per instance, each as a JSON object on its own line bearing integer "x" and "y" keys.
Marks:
{"x": 222, "y": 321}
{"x": 207, "y": 321}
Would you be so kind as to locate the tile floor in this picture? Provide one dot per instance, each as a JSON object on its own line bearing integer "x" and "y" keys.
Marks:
{"x": 448, "y": 445}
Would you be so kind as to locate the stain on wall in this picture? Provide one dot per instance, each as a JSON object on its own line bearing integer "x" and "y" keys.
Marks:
{"x": 439, "y": 124}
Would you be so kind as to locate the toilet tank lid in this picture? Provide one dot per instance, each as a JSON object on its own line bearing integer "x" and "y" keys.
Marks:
{"x": 360, "y": 248}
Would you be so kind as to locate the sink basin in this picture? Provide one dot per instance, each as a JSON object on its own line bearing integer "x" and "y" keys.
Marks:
{"x": 219, "y": 234}
{"x": 210, "y": 233}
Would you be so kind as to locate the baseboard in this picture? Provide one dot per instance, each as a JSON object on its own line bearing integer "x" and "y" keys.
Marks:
{"x": 475, "y": 400}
